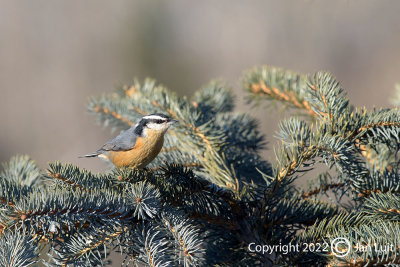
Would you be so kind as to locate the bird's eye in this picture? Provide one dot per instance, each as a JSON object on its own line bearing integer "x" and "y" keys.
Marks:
{"x": 159, "y": 121}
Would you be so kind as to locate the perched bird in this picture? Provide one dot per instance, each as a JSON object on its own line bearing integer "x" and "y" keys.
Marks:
{"x": 139, "y": 145}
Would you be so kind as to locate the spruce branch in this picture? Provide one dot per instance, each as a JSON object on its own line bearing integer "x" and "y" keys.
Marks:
{"x": 145, "y": 198}
{"x": 303, "y": 148}
{"x": 322, "y": 188}
{"x": 187, "y": 237}
{"x": 378, "y": 182}
{"x": 327, "y": 98}
{"x": 22, "y": 170}
{"x": 87, "y": 248}
{"x": 151, "y": 247}
{"x": 382, "y": 206}
{"x": 361, "y": 144}
{"x": 18, "y": 248}
{"x": 280, "y": 85}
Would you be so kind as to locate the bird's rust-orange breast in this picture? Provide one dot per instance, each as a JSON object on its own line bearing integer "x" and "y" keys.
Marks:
{"x": 144, "y": 151}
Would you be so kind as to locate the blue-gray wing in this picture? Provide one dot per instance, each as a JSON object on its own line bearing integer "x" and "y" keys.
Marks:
{"x": 125, "y": 141}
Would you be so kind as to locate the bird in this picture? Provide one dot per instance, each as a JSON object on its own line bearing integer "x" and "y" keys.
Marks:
{"x": 139, "y": 145}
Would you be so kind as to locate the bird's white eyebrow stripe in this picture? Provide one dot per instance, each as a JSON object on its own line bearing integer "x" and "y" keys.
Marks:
{"x": 154, "y": 117}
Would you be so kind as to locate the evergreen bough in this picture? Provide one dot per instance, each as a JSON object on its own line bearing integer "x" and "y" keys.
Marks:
{"x": 209, "y": 194}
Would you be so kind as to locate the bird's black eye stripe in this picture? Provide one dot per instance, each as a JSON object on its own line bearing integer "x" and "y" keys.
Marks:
{"x": 157, "y": 121}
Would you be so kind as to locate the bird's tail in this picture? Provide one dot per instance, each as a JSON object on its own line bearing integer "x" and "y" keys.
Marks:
{"x": 91, "y": 155}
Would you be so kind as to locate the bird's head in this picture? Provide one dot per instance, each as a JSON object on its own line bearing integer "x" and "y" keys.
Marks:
{"x": 157, "y": 122}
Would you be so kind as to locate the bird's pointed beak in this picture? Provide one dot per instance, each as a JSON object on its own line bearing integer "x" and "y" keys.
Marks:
{"x": 173, "y": 121}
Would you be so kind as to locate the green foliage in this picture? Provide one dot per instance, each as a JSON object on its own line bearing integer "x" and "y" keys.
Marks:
{"x": 360, "y": 148}
{"x": 209, "y": 194}
{"x": 17, "y": 248}
{"x": 22, "y": 170}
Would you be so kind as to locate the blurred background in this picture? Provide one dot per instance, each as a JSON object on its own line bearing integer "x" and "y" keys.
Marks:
{"x": 54, "y": 55}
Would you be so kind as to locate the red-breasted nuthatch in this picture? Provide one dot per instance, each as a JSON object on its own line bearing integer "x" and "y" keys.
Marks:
{"x": 139, "y": 145}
